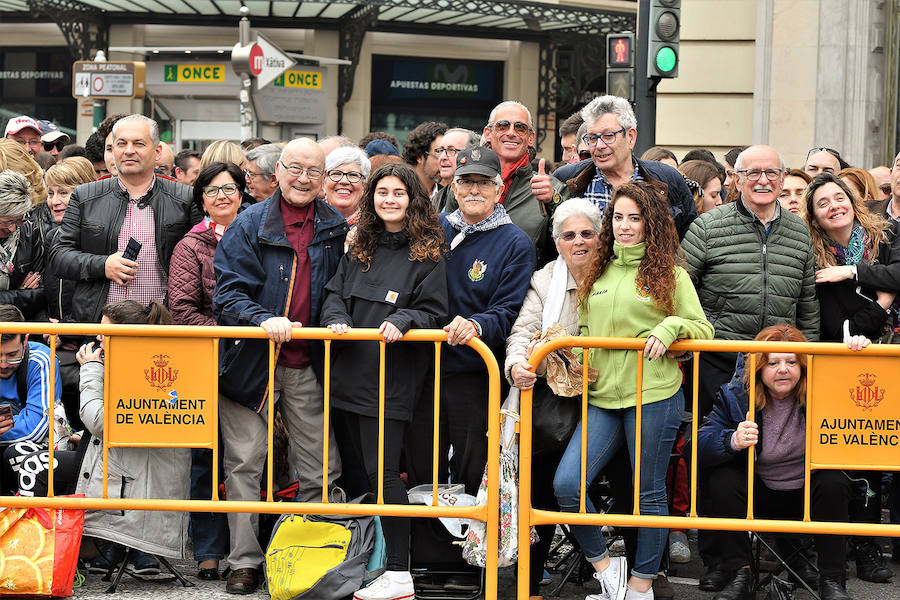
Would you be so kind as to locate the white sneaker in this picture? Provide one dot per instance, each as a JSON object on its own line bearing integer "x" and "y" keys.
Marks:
{"x": 612, "y": 580}
{"x": 679, "y": 551}
{"x": 392, "y": 585}
{"x": 631, "y": 594}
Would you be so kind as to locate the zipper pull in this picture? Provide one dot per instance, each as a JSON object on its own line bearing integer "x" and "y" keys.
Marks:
{"x": 764, "y": 249}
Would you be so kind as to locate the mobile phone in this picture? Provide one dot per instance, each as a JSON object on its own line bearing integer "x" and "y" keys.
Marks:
{"x": 132, "y": 250}
{"x": 5, "y": 410}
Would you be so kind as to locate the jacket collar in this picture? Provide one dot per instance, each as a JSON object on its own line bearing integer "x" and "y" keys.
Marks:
{"x": 749, "y": 214}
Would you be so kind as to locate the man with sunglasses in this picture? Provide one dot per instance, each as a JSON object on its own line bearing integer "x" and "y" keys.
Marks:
{"x": 103, "y": 216}
{"x": 823, "y": 160}
{"x": 611, "y": 133}
{"x": 52, "y": 139}
{"x": 25, "y": 131}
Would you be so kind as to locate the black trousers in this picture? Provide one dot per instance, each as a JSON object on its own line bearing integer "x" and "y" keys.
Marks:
{"x": 464, "y": 411}
{"x": 357, "y": 438}
{"x": 829, "y": 501}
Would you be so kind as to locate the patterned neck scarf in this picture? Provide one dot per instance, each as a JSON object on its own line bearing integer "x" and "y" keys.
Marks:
{"x": 218, "y": 230}
{"x": 7, "y": 253}
{"x": 858, "y": 248}
{"x": 494, "y": 220}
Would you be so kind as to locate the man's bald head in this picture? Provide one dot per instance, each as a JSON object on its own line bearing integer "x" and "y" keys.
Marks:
{"x": 300, "y": 171}
{"x": 165, "y": 160}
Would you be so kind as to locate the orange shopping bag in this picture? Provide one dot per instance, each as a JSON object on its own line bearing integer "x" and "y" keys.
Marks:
{"x": 39, "y": 550}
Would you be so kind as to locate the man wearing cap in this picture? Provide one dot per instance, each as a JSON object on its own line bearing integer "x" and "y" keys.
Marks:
{"x": 25, "y": 131}
{"x": 52, "y": 139}
{"x": 488, "y": 273}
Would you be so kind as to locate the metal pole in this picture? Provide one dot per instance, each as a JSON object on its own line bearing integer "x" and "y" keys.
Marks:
{"x": 244, "y": 96}
{"x": 99, "y": 105}
{"x": 644, "y": 87}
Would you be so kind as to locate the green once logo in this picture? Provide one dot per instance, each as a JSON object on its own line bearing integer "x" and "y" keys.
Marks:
{"x": 171, "y": 73}
{"x": 666, "y": 59}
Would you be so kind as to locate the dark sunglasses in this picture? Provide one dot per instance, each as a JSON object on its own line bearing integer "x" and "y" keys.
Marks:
{"x": 519, "y": 126}
{"x": 59, "y": 144}
{"x": 568, "y": 236}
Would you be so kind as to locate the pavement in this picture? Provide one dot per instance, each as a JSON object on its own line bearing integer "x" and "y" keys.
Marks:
{"x": 683, "y": 578}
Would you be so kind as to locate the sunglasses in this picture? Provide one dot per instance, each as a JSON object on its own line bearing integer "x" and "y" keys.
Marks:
{"x": 518, "y": 126}
{"x": 58, "y": 144}
{"x": 568, "y": 236}
{"x": 830, "y": 151}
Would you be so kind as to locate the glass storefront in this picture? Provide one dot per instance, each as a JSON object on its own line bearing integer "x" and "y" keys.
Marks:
{"x": 37, "y": 82}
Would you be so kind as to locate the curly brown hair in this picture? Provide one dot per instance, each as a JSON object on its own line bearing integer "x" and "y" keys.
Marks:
{"x": 657, "y": 268}
{"x": 422, "y": 228}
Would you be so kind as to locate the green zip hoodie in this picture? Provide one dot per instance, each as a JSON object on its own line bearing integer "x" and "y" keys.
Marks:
{"x": 616, "y": 308}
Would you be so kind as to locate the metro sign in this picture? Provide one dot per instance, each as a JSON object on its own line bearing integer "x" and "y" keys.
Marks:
{"x": 267, "y": 62}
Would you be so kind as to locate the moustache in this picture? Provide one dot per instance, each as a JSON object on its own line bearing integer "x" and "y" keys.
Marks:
{"x": 475, "y": 199}
{"x": 762, "y": 188}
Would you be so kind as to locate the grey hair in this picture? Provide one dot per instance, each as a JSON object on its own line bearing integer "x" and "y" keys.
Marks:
{"x": 15, "y": 193}
{"x": 265, "y": 157}
{"x": 576, "y": 207}
{"x": 348, "y": 154}
{"x": 342, "y": 140}
{"x": 154, "y": 126}
{"x": 739, "y": 161}
{"x": 616, "y": 105}
{"x": 582, "y": 131}
{"x": 510, "y": 103}
{"x": 472, "y": 141}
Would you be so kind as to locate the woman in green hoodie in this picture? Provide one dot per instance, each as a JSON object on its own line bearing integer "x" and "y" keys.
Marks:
{"x": 635, "y": 290}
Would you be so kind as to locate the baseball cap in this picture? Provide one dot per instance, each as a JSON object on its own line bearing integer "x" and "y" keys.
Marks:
{"x": 376, "y": 147}
{"x": 50, "y": 132}
{"x": 19, "y": 123}
{"x": 480, "y": 161}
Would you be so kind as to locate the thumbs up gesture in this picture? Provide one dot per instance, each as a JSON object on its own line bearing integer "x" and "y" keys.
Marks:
{"x": 540, "y": 183}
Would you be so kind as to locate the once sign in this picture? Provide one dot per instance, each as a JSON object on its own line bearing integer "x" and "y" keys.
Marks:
{"x": 854, "y": 418}
{"x": 194, "y": 73}
{"x": 161, "y": 392}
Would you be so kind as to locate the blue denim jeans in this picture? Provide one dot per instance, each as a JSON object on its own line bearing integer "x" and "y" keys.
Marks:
{"x": 208, "y": 531}
{"x": 606, "y": 431}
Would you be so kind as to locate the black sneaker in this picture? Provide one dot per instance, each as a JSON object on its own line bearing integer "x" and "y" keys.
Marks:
{"x": 870, "y": 563}
{"x": 143, "y": 563}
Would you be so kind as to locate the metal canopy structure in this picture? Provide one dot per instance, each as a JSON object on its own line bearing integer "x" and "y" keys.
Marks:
{"x": 568, "y": 35}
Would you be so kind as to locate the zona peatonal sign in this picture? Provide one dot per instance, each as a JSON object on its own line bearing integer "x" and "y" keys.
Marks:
{"x": 161, "y": 392}
{"x": 854, "y": 413}
{"x": 109, "y": 79}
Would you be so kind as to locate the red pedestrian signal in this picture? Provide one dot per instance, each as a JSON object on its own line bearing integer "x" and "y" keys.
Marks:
{"x": 619, "y": 50}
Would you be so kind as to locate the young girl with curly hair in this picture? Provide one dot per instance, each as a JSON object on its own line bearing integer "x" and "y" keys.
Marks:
{"x": 633, "y": 289}
{"x": 393, "y": 277}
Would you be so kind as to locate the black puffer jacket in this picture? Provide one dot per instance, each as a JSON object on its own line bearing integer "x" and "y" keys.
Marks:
{"x": 29, "y": 258}
{"x": 748, "y": 279}
{"x": 90, "y": 233}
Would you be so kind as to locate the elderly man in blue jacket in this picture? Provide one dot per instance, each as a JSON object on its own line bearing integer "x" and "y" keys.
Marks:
{"x": 611, "y": 135}
{"x": 271, "y": 267}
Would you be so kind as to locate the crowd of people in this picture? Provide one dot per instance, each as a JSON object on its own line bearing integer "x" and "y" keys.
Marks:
{"x": 469, "y": 232}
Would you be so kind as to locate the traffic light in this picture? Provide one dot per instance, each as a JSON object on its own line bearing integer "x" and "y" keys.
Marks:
{"x": 663, "y": 37}
{"x": 620, "y": 65}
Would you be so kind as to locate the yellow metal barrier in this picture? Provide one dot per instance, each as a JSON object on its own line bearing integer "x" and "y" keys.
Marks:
{"x": 488, "y": 513}
{"x": 529, "y": 516}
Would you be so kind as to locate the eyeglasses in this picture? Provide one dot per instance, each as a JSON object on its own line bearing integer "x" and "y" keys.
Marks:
{"x": 568, "y": 236}
{"x": 609, "y": 137}
{"x": 12, "y": 222}
{"x": 15, "y": 357}
{"x": 313, "y": 173}
{"x": 830, "y": 151}
{"x": 518, "y": 126}
{"x": 211, "y": 191}
{"x": 59, "y": 144}
{"x": 451, "y": 152}
{"x": 251, "y": 174}
{"x": 755, "y": 174}
{"x": 484, "y": 185}
{"x": 33, "y": 143}
{"x": 352, "y": 176}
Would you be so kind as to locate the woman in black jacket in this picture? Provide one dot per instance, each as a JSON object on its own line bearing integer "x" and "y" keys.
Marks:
{"x": 393, "y": 277}
{"x": 858, "y": 260}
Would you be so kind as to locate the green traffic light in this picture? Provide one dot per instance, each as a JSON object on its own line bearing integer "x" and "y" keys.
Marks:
{"x": 666, "y": 59}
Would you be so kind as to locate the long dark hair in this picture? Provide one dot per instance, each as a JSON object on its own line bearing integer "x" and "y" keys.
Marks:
{"x": 657, "y": 268}
{"x": 129, "y": 312}
{"x": 426, "y": 237}
{"x": 209, "y": 173}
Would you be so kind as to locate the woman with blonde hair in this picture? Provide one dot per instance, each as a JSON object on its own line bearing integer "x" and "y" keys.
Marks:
{"x": 222, "y": 151}
{"x": 708, "y": 193}
{"x": 862, "y": 183}
{"x": 16, "y": 158}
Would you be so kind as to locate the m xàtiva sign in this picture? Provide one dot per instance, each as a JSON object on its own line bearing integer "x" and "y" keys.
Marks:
{"x": 399, "y": 78}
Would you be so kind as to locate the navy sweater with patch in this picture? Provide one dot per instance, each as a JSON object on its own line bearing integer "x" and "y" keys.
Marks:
{"x": 488, "y": 274}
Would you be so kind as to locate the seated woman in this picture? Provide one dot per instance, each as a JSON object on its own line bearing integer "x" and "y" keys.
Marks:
{"x": 780, "y": 455}
{"x": 632, "y": 289}
{"x": 162, "y": 473}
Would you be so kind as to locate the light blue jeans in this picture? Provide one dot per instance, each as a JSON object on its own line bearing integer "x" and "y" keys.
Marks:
{"x": 606, "y": 431}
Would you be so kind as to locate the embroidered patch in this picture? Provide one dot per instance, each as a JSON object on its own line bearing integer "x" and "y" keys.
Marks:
{"x": 643, "y": 294}
{"x": 479, "y": 268}
{"x": 391, "y": 296}
{"x": 476, "y": 154}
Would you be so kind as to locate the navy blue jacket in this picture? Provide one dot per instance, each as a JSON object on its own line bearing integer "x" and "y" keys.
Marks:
{"x": 488, "y": 275}
{"x": 255, "y": 266}
{"x": 578, "y": 177}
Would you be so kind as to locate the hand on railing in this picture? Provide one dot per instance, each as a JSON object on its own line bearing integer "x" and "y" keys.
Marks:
{"x": 389, "y": 332}
{"x": 460, "y": 331}
{"x": 279, "y": 328}
{"x": 523, "y": 375}
{"x": 654, "y": 348}
{"x": 746, "y": 434}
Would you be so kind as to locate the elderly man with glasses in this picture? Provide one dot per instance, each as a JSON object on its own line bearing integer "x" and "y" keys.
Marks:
{"x": 271, "y": 267}
{"x": 610, "y": 135}
{"x": 753, "y": 266}
{"x": 259, "y": 169}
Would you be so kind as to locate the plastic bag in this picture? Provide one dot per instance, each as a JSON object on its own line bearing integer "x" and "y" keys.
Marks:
{"x": 449, "y": 494}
